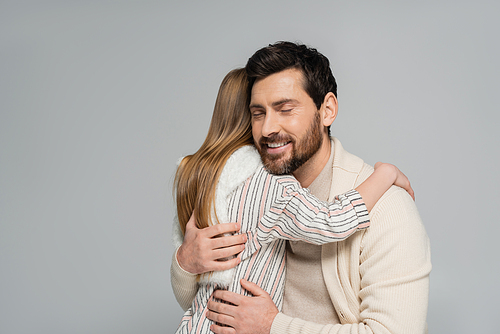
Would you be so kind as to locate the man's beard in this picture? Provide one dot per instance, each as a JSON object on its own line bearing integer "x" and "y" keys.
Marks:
{"x": 302, "y": 150}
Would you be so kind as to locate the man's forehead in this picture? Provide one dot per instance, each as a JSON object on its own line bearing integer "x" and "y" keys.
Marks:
{"x": 278, "y": 87}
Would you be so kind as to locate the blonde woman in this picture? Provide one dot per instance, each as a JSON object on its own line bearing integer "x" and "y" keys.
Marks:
{"x": 224, "y": 181}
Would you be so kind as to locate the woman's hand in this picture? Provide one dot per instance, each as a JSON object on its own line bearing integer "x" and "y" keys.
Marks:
{"x": 400, "y": 179}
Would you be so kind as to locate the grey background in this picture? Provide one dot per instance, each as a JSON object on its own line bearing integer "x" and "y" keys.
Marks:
{"x": 98, "y": 99}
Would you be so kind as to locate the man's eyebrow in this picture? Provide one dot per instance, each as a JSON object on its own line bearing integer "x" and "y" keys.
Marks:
{"x": 274, "y": 104}
{"x": 283, "y": 101}
{"x": 255, "y": 105}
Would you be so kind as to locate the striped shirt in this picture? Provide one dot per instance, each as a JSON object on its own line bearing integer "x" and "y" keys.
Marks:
{"x": 272, "y": 209}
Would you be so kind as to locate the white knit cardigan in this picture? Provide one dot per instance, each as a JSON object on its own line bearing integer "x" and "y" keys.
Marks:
{"x": 378, "y": 279}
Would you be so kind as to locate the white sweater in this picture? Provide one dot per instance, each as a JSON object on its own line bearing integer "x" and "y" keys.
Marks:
{"x": 378, "y": 279}
{"x": 271, "y": 210}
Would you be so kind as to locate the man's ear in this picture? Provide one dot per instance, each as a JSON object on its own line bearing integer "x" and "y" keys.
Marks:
{"x": 330, "y": 108}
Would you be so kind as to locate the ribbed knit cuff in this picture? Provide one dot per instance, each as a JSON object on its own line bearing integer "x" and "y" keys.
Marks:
{"x": 184, "y": 281}
{"x": 280, "y": 324}
{"x": 178, "y": 269}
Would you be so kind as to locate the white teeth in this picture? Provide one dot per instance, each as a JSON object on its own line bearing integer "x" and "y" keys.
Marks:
{"x": 274, "y": 145}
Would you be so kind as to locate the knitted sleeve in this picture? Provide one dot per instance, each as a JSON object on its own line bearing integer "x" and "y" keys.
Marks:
{"x": 183, "y": 283}
{"x": 394, "y": 266}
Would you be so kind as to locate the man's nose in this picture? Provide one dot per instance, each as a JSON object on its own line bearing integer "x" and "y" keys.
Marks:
{"x": 271, "y": 125}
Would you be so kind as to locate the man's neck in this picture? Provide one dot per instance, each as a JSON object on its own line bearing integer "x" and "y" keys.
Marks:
{"x": 310, "y": 170}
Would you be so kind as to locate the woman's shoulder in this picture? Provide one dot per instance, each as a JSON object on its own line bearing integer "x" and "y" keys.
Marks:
{"x": 245, "y": 155}
{"x": 241, "y": 165}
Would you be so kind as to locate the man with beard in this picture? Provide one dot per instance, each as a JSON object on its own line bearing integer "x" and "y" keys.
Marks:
{"x": 374, "y": 282}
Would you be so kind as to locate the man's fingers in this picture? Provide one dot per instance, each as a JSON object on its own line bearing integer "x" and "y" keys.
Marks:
{"x": 222, "y": 253}
{"x": 191, "y": 224}
{"x": 230, "y": 240}
{"x": 219, "y": 229}
{"x": 224, "y": 265}
{"x": 220, "y": 317}
{"x": 227, "y": 296}
{"x": 251, "y": 287}
{"x": 218, "y": 309}
{"x": 222, "y": 330}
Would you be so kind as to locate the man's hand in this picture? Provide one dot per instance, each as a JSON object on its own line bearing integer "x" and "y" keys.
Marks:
{"x": 204, "y": 250}
{"x": 253, "y": 315}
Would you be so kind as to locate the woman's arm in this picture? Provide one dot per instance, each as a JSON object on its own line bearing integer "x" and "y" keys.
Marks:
{"x": 384, "y": 176}
{"x": 298, "y": 215}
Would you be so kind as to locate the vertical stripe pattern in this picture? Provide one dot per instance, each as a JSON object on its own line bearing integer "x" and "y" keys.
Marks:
{"x": 272, "y": 209}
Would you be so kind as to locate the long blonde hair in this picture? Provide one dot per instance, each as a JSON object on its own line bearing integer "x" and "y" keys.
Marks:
{"x": 230, "y": 129}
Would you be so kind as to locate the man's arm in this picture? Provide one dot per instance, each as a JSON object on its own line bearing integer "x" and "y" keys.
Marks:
{"x": 202, "y": 251}
{"x": 183, "y": 283}
{"x": 394, "y": 268}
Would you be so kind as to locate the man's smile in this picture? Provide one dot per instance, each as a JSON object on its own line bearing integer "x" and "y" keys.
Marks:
{"x": 274, "y": 145}
{"x": 277, "y": 147}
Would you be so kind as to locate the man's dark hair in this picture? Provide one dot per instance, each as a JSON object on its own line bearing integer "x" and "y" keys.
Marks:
{"x": 280, "y": 56}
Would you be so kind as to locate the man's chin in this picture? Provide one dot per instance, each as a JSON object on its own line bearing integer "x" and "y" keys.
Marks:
{"x": 276, "y": 170}
{"x": 276, "y": 166}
